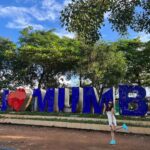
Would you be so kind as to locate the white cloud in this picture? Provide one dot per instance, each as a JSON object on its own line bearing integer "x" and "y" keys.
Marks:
{"x": 40, "y": 15}
{"x": 106, "y": 15}
{"x": 51, "y": 4}
{"x": 25, "y": 1}
{"x": 49, "y": 10}
{"x": 21, "y": 23}
{"x": 66, "y": 2}
{"x": 12, "y": 11}
{"x": 144, "y": 37}
{"x": 19, "y": 17}
{"x": 62, "y": 33}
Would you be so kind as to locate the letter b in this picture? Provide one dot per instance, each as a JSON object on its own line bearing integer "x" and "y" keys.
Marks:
{"x": 138, "y": 101}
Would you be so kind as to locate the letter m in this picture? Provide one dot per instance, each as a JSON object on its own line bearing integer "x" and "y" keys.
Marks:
{"x": 46, "y": 104}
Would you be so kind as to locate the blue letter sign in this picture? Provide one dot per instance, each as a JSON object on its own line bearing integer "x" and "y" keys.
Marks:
{"x": 139, "y": 100}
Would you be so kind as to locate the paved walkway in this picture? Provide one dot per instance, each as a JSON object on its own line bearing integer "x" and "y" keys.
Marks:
{"x": 16, "y": 137}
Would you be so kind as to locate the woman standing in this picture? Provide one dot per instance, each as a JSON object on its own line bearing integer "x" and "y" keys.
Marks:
{"x": 109, "y": 109}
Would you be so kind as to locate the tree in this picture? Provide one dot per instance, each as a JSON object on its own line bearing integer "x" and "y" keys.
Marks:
{"x": 81, "y": 69}
{"x": 86, "y": 17}
{"x": 138, "y": 57}
{"x": 44, "y": 56}
{"x": 7, "y": 57}
{"x": 107, "y": 67}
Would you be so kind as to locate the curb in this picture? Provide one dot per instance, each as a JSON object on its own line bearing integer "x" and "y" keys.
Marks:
{"x": 84, "y": 126}
{"x": 133, "y": 122}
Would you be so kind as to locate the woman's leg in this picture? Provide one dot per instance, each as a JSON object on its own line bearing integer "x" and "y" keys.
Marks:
{"x": 124, "y": 126}
{"x": 113, "y": 132}
{"x": 119, "y": 128}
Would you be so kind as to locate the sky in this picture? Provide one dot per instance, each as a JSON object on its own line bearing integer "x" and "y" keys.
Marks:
{"x": 44, "y": 15}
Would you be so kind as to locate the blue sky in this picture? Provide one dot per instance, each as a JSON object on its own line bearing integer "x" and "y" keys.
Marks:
{"x": 43, "y": 15}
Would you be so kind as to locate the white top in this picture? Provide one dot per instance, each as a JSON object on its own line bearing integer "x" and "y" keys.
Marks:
{"x": 111, "y": 118}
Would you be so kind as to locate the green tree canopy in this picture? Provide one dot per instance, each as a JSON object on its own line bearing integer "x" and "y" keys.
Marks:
{"x": 44, "y": 56}
{"x": 86, "y": 17}
{"x": 138, "y": 57}
{"x": 7, "y": 57}
{"x": 107, "y": 67}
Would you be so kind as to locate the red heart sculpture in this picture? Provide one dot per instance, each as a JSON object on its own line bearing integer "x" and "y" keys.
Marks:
{"x": 16, "y": 99}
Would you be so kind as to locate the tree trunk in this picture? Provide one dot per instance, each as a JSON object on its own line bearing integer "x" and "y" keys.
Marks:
{"x": 40, "y": 80}
{"x": 101, "y": 91}
{"x": 138, "y": 79}
{"x": 80, "y": 79}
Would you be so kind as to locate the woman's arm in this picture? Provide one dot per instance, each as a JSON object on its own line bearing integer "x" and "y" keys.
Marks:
{"x": 113, "y": 111}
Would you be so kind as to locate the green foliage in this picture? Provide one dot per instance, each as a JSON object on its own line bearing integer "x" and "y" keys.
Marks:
{"x": 86, "y": 17}
{"x": 7, "y": 57}
{"x": 138, "y": 58}
{"x": 107, "y": 66}
{"x": 44, "y": 56}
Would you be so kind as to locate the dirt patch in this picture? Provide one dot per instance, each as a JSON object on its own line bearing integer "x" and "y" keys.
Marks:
{"x": 14, "y": 137}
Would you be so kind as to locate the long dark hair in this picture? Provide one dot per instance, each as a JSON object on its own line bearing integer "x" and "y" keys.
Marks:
{"x": 109, "y": 106}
